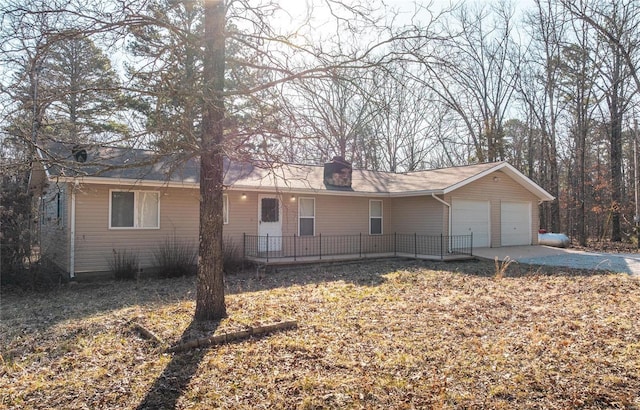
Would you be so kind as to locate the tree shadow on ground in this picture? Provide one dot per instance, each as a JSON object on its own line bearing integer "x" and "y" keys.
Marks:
{"x": 36, "y": 312}
{"x": 359, "y": 272}
{"x": 176, "y": 376}
{"x": 373, "y": 272}
{"x": 39, "y": 311}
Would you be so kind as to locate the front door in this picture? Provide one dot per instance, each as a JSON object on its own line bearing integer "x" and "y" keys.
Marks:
{"x": 269, "y": 223}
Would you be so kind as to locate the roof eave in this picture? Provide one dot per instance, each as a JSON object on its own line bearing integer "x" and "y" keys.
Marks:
{"x": 125, "y": 181}
{"x": 238, "y": 187}
{"x": 503, "y": 166}
{"x": 513, "y": 173}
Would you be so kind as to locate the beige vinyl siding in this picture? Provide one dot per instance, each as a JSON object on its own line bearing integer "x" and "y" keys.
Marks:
{"x": 95, "y": 242}
{"x": 422, "y": 215}
{"x": 54, "y": 233}
{"x": 495, "y": 191}
{"x": 243, "y": 217}
{"x": 289, "y": 214}
{"x": 342, "y": 215}
{"x": 335, "y": 215}
{"x": 179, "y": 216}
{"x": 243, "y": 214}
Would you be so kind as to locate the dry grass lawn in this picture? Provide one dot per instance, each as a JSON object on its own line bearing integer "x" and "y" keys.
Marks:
{"x": 376, "y": 335}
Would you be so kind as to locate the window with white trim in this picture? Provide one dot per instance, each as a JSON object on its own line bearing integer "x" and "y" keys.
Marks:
{"x": 375, "y": 217}
{"x": 134, "y": 209}
{"x": 225, "y": 208}
{"x": 306, "y": 216}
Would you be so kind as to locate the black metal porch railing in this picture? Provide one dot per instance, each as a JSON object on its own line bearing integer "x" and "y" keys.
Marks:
{"x": 296, "y": 247}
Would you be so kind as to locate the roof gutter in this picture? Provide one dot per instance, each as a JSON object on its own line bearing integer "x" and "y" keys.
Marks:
{"x": 448, "y": 205}
{"x": 240, "y": 187}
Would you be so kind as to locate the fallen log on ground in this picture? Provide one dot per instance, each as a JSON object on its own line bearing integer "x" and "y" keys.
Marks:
{"x": 232, "y": 336}
{"x": 146, "y": 333}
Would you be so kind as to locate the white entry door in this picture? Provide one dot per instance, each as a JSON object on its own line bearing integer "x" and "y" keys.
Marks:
{"x": 515, "y": 223}
{"x": 269, "y": 223}
{"x": 468, "y": 217}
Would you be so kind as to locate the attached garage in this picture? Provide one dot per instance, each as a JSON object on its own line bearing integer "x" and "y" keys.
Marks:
{"x": 470, "y": 216}
{"x": 515, "y": 223}
{"x": 493, "y": 201}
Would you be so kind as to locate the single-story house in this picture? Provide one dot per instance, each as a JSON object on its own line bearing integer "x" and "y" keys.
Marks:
{"x": 100, "y": 200}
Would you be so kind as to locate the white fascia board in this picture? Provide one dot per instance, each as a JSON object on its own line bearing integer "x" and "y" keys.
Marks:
{"x": 309, "y": 191}
{"x": 240, "y": 188}
{"x": 306, "y": 191}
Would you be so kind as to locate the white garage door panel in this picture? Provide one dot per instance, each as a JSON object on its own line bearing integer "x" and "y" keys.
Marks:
{"x": 515, "y": 223}
{"x": 471, "y": 216}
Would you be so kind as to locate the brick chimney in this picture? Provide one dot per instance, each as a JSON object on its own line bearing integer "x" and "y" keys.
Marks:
{"x": 337, "y": 173}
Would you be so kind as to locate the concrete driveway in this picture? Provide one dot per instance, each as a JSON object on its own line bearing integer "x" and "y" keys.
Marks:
{"x": 547, "y": 255}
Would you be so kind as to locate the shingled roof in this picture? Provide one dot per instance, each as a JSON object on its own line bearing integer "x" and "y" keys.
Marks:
{"x": 141, "y": 167}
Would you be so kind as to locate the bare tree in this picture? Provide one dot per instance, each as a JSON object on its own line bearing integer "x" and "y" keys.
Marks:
{"x": 617, "y": 25}
{"x": 624, "y": 34}
{"x": 538, "y": 87}
{"x": 475, "y": 75}
{"x": 579, "y": 74}
{"x": 599, "y": 19}
{"x": 265, "y": 55}
{"x": 405, "y": 122}
{"x": 335, "y": 113}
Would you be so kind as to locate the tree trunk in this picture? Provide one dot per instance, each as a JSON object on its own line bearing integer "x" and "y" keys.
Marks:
{"x": 554, "y": 179}
{"x": 581, "y": 141}
{"x": 616, "y": 151}
{"x": 210, "y": 303}
{"x": 616, "y": 178}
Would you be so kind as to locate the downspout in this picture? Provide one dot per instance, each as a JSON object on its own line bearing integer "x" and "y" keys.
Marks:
{"x": 448, "y": 205}
{"x": 72, "y": 228}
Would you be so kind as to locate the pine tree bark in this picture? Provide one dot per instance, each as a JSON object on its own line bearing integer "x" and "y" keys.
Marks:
{"x": 210, "y": 304}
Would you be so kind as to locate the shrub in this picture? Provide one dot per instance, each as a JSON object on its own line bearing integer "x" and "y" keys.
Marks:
{"x": 175, "y": 257}
{"x": 15, "y": 235}
{"x": 231, "y": 255}
{"x": 124, "y": 264}
{"x": 34, "y": 276}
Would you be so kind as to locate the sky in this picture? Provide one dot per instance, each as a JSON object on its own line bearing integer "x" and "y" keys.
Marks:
{"x": 295, "y": 12}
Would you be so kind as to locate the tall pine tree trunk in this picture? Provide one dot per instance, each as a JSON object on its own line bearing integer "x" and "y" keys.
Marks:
{"x": 210, "y": 303}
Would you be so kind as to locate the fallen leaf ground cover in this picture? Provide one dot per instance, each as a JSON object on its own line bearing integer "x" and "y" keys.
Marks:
{"x": 381, "y": 334}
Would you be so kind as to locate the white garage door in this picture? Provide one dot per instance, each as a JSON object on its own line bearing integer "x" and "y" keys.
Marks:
{"x": 515, "y": 223}
{"x": 471, "y": 216}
